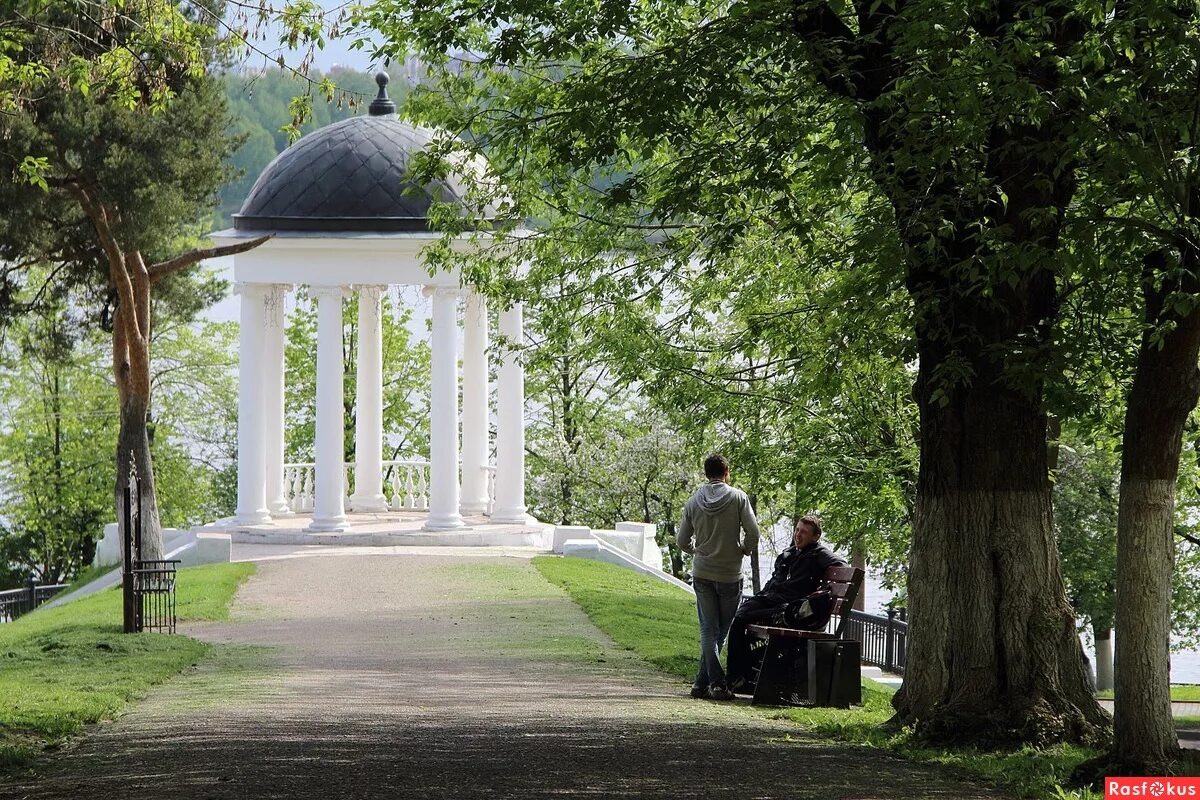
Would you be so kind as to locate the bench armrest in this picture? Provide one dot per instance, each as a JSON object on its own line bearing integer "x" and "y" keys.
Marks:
{"x": 765, "y": 631}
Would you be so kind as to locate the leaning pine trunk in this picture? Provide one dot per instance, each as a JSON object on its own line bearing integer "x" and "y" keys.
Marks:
{"x": 131, "y": 370}
{"x": 132, "y": 280}
{"x": 1164, "y": 392}
{"x": 133, "y": 443}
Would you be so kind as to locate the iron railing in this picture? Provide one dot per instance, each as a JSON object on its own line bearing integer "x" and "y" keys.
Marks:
{"x": 154, "y": 590}
{"x": 16, "y": 602}
{"x": 884, "y": 639}
{"x": 148, "y": 586}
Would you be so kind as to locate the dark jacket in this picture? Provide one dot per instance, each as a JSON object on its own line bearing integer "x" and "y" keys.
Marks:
{"x": 798, "y": 572}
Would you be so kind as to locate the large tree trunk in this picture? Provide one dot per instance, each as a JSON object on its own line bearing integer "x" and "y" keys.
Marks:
{"x": 1164, "y": 392}
{"x": 992, "y": 654}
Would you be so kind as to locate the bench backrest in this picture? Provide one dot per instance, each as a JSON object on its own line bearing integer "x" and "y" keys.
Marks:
{"x": 844, "y": 583}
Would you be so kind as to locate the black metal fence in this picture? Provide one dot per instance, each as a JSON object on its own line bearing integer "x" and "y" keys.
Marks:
{"x": 15, "y": 602}
{"x": 148, "y": 585}
{"x": 154, "y": 593}
{"x": 884, "y": 639}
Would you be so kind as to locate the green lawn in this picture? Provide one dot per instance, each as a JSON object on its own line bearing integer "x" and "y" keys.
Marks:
{"x": 62, "y": 668}
{"x": 1189, "y": 692}
{"x": 658, "y": 622}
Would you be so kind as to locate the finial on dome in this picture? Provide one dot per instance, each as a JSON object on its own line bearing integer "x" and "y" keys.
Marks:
{"x": 382, "y": 104}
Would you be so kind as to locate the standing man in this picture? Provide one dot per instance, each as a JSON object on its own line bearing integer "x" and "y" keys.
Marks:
{"x": 798, "y": 572}
{"x": 714, "y": 519}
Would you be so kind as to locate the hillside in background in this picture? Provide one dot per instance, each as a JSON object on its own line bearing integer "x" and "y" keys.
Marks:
{"x": 261, "y": 102}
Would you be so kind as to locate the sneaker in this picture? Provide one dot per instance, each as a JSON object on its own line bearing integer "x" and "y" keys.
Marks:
{"x": 718, "y": 692}
{"x": 699, "y": 691}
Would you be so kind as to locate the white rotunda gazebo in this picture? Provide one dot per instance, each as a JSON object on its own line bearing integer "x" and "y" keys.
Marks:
{"x": 345, "y": 217}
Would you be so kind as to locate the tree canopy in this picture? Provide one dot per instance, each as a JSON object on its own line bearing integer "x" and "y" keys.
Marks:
{"x": 935, "y": 156}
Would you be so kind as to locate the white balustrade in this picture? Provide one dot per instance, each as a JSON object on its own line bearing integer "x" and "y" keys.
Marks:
{"x": 404, "y": 483}
{"x": 298, "y": 486}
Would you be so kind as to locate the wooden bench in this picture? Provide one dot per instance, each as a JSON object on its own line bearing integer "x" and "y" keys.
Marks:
{"x": 816, "y": 668}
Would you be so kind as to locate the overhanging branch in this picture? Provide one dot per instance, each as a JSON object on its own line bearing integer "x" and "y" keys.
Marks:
{"x": 164, "y": 268}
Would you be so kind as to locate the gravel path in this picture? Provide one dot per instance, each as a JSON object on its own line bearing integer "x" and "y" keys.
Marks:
{"x": 416, "y": 676}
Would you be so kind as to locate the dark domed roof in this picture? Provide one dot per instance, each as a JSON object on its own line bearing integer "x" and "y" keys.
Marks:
{"x": 349, "y": 176}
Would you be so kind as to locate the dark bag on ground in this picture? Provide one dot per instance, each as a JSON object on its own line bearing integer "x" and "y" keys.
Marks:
{"x": 808, "y": 613}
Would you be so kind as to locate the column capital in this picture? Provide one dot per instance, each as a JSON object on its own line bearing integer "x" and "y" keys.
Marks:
{"x": 252, "y": 289}
{"x": 370, "y": 288}
{"x": 274, "y": 299}
{"x": 327, "y": 291}
{"x": 452, "y": 292}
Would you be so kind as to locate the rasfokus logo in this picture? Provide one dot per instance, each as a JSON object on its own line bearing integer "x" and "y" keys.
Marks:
{"x": 1153, "y": 787}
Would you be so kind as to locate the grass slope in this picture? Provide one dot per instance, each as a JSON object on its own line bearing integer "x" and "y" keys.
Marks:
{"x": 658, "y": 622}
{"x": 652, "y": 618}
{"x": 65, "y": 667}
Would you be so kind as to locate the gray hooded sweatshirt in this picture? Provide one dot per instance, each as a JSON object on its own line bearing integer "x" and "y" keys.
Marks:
{"x": 713, "y": 521}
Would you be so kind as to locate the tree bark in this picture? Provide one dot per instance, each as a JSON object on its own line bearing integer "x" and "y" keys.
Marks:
{"x": 1165, "y": 388}
{"x": 993, "y": 655}
{"x": 133, "y": 447}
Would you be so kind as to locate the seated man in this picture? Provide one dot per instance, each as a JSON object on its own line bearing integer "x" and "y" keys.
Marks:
{"x": 798, "y": 572}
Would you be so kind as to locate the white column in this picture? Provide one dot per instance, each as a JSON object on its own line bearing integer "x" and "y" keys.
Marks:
{"x": 368, "y": 427}
{"x": 273, "y": 410}
{"x": 443, "y": 413}
{"x": 252, "y": 478}
{"x": 328, "y": 493}
{"x": 475, "y": 406}
{"x": 510, "y": 424}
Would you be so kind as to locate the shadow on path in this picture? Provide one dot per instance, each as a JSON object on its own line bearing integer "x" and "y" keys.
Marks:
{"x": 418, "y": 676}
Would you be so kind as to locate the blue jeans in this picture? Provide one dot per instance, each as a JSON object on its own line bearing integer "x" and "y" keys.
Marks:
{"x": 716, "y": 603}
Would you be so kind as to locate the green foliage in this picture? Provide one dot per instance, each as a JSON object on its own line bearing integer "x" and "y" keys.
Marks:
{"x": 61, "y": 423}
{"x": 1085, "y": 519}
{"x": 163, "y": 170}
{"x": 599, "y": 453}
{"x": 57, "y": 477}
{"x": 405, "y": 380}
{"x": 194, "y": 412}
{"x": 65, "y": 667}
{"x": 688, "y": 250}
{"x": 113, "y": 51}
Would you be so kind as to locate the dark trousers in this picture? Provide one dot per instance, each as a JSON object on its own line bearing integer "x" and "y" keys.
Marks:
{"x": 744, "y": 651}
